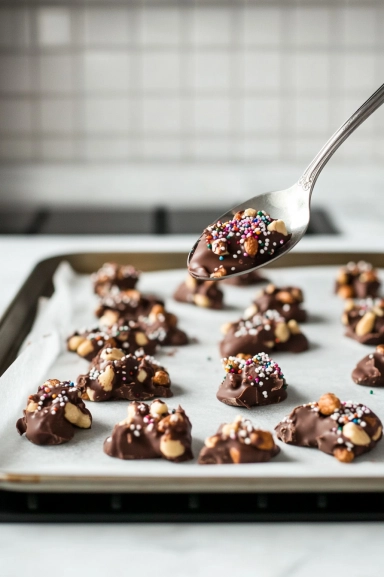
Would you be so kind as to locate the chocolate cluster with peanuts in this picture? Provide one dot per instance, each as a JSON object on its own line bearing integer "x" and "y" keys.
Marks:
{"x": 247, "y": 240}
{"x": 252, "y": 381}
{"x": 204, "y": 294}
{"x": 285, "y": 300}
{"x": 369, "y": 372}
{"x": 129, "y": 336}
{"x": 113, "y": 275}
{"x": 357, "y": 280}
{"x": 238, "y": 442}
{"x": 53, "y": 413}
{"x": 262, "y": 333}
{"x": 113, "y": 374}
{"x": 343, "y": 429}
{"x": 128, "y": 305}
{"x": 161, "y": 326}
{"x": 364, "y": 321}
{"x": 150, "y": 432}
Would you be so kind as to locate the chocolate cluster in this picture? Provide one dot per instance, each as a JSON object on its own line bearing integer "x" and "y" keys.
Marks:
{"x": 53, "y": 413}
{"x": 204, "y": 294}
{"x": 364, "y": 320}
{"x": 128, "y": 305}
{"x": 285, "y": 300}
{"x": 252, "y": 381}
{"x": 112, "y": 275}
{"x": 161, "y": 326}
{"x": 357, "y": 280}
{"x": 369, "y": 372}
{"x": 246, "y": 279}
{"x": 246, "y": 241}
{"x": 262, "y": 333}
{"x": 150, "y": 432}
{"x": 343, "y": 429}
{"x": 236, "y": 443}
{"x": 113, "y": 374}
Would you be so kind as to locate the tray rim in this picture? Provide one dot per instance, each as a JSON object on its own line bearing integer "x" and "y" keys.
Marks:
{"x": 40, "y": 280}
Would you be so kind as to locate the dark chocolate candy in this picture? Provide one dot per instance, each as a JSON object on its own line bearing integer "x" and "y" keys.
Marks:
{"x": 127, "y": 305}
{"x": 246, "y": 279}
{"x": 250, "y": 239}
{"x": 161, "y": 326}
{"x": 252, "y": 381}
{"x": 236, "y": 443}
{"x": 364, "y": 320}
{"x": 285, "y": 300}
{"x": 150, "y": 432}
{"x": 370, "y": 370}
{"x": 342, "y": 429}
{"x": 200, "y": 293}
{"x": 262, "y": 333}
{"x": 115, "y": 375}
{"x": 53, "y": 413}
{"x": 126, "y": 335}
{"x": 111, "y": 274}
{"x": 357, "y": 281}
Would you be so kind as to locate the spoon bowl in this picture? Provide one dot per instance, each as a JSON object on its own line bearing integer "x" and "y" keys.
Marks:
{"x": 292, "y": 205}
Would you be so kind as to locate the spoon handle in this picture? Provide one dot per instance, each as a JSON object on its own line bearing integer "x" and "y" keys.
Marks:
{"x": 313, "y": 170}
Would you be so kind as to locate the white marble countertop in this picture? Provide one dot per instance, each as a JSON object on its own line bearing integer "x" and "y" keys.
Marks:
{"x": 265, "y": 550}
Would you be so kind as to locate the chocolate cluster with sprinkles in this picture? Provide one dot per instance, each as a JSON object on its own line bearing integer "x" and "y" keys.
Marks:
{"x": 364, "y": 320}
{"x": 248, "y": 240}
{"x": 262, "y": 333}
{"x": 161, "y": 326}
{"x": 205, "y": 294}
{"x": 286, "y": 300}
{"x": 113, "y": 275}
{"x": 116, "y": 375}
{"x": 53, "y": 413}
{"x": 150, "y": 432}
{"x": 357, "y": 280}
{"x": 87, "y": 343}
{"x": 369, "y": 372}
{"x": 127, "y": 305}
{"x": 238, "y": 442}
{"x": 252, "y": 381}
{"x": 340, "y": 428}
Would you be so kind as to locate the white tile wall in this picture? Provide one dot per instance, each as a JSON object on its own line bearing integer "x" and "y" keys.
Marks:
{"x": 237, "y": 81}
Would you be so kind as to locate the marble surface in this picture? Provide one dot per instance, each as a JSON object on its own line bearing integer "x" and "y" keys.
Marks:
{"x": 265, "y": 550}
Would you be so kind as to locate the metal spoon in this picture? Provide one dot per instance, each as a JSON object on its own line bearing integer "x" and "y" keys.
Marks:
{"x": 292, "y": 205}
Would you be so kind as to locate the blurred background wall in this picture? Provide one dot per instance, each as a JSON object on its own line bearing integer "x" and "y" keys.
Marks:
{"x": 98, "y": 95}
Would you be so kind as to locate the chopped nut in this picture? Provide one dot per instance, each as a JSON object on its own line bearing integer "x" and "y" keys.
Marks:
{"x": 211, "y": 442}
{"x": 380, "y": 349}
{"x": 342, "y": 278}
{"x": 297, "y": 294}
{"x": 141, "y": 375}
{"x": 141, "y": 339}
{"x": 345, "y": 292}
{"x": 377, "y": 435}
{"x": 278, "y": 226}
{"x": 201, "y": 300}
{"x": 239, "y": 215}
{"x": 158, "y": 408}
{"x": 89, "y": 395}
{"x": 263, "y": 440}
{"x": 171, "y": 448}
{"x": 250, "y": 212}
{"x": 220, "y": 247}
{"x": 251, "y": 246}
{"x": 368, "y": 276}
{"x": 109, "y": 318}
{"x": 74, "y": 342}
{"x": 378, "y": 311}
{"x": 349, "y": 305}
{"x": 250, "y": 311}
{"x": 294, "y": 327}
{"x": 343, "y": 455}
{"x": 225, "y": 328}
{"x": 85, "y": 348}
{"x": 356, "y": 434}
{"x": 365, "y": 324}
{"x": 285, "y": 297}
{"x": 219, "y": 272}
{"x": 235, "y": 455}
{"x": 73, "y": 414}
{"x": 112, "y": 354}
{"x": 282, "y": 332}
{"x": 161, "y": 378}
{"x": 106, "y": 378}
{"x": 328, "y": 404}
{"x": 243, "y": 356}
{"x": 31, "y": 407}
{"x": 270, "y": 289}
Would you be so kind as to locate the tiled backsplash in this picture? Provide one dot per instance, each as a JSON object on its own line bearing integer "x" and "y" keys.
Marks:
{"x": 92, "y": 82}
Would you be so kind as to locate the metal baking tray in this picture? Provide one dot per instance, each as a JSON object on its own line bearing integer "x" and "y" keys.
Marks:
{"x": 18, "y": 320}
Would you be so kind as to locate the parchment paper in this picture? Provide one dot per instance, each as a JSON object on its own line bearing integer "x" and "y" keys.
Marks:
{"x": 196, "y": 373}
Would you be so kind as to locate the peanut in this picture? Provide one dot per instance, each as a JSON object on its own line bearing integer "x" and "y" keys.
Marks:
{"x": 225, "y": 328}
{"x": 161, "y": 378}
{"x": 285, "y": 297}
{"x": 263, "y": 440}
{"x": 106, "y": 378}
{"x": 294, "y": 327}
{"x": 238, "y": 215}
{"x": 356, "y": 434}
{"x": 328, "y": 404}
{"x": 73, "y": 414}
{"x": 270, "y": 289}
{"x": 171, "y": 448}
{"x": 112, "y": 354}
{"x": 349, "y": 305}
{"x": 201, "y": 300}
{"x": 365, "y": 324}
{"x": 220, "y": 247}
{"x": 191, "y": 282}
{"x": 219, "y": 273}
{"x": 250, "y": 311}
{"x": 74, "y": 342}
{"x": 377, "y": 434}
{"x": 85, "y": 348}
{"x": 235, "y": 455}
{"x": 31, "y": 407}
{"x": 211, "y": 442}
{"x": 343, "y": 455}
{"x": 282, "y": 332}
{"x": 141, "y": 339}
{"x": 278, "y": 226}
{"x": 345, "y": 292}
{"x": 380, "y": 349}
{"x": 141, "y": 375}
{"x": 109, "y": 318}
{"x": 251, "y": 212}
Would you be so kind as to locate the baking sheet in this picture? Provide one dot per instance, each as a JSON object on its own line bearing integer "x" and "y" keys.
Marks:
{"x": 196, "y": 373}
